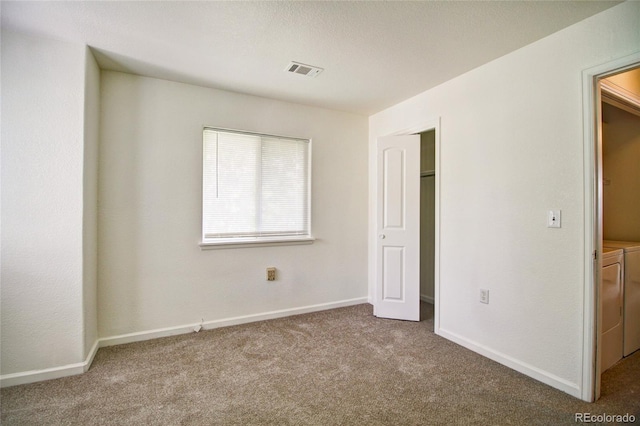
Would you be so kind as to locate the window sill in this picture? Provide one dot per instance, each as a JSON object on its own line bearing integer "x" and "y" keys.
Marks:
{"x": 237, "y": 243}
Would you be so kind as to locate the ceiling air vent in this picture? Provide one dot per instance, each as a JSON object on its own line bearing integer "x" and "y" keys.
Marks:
{"x": 303, "y": 69}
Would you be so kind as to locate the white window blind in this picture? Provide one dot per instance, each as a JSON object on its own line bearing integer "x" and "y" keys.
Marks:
{"x": 255, "y": 187}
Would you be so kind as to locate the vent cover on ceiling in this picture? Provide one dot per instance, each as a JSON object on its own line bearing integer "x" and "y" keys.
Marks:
{"x": 303, "y": 69}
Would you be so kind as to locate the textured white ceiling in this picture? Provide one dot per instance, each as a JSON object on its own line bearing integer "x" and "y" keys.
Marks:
{"x": 375, "y": 54}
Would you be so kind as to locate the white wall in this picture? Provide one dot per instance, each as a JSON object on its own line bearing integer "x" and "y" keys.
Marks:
{"x": 43, "y": 98}
{"x": 512, "y": 148}
{"x": 152, "y": 273}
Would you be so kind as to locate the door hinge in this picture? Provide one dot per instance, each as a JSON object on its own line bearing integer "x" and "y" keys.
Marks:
{"x": 595, "y": 255}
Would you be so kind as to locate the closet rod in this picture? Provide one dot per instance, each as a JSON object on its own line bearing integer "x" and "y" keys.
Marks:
{"x": 427, "y": 174}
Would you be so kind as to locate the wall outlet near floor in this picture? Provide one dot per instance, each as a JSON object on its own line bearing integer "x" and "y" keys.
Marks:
{"x": 484, "y": 296}
{"x": 271, "y": 274}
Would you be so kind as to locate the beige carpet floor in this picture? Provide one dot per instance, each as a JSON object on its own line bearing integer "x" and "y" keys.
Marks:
{"x": 337, "y": 367}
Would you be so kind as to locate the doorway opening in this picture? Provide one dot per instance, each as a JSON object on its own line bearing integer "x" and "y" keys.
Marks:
{"x": 597, "y": 299}
{"x": 407, "y": 275}
{"x": 427, "y": 223}
{"x": 619, "y": 182}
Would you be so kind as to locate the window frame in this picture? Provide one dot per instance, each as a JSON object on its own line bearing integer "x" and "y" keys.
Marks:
{"x": 262, "y": 241}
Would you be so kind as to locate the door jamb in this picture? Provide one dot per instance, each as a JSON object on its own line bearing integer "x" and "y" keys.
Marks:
{"x": 593, "y": 216}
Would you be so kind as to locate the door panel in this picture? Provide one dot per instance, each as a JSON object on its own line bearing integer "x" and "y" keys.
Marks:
{"x": 393, "y": 191}
{"x": 393, "y": 269}
{"x": 398, "y": 217}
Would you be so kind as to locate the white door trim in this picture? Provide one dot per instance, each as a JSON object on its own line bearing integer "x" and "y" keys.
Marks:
{"x": 593, "y": 216}
{"x": 427, "y": 125}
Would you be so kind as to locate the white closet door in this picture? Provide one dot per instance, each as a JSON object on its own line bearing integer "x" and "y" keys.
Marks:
{"x": 398, "y": 233}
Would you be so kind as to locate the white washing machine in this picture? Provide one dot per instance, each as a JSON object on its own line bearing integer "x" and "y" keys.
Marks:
{"x": 611, "y": 293}
{"x": 631, "y": 285}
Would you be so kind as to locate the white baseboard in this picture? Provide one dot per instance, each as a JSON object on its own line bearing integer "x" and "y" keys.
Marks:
{"x": 26, "y": 377}
{"x": 522, "y": 367}
{"x": 92, "y": 355}
{"x": 425, "y": 298}
{"x": 81, "y": 367}
{"x": 207, "y": 325}
{"x": 33, "y": 376}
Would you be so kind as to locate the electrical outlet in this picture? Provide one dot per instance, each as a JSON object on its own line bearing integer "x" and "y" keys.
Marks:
{"x": 484, "y": 296}
{"x": 271, "y": 274}
{"x": 554, "y": 219}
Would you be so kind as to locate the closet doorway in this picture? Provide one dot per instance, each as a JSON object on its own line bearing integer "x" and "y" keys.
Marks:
{"x": 427, "y": 221}
{"x": 407, "y": 224}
